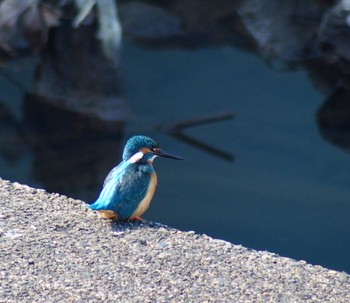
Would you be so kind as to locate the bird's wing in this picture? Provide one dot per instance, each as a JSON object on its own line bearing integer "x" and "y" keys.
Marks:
{"x": 124, "y": 188}
{"x": 113, "y": 173}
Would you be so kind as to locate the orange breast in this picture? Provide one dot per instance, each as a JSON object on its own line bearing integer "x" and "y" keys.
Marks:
{"x": 144, "y": 204}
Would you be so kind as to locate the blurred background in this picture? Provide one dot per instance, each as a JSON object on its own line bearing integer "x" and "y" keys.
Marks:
{"x": 261, "y": 88}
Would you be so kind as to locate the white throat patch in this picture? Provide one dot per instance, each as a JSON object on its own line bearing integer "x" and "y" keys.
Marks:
{"x": 137, "y": 157}
{"x": 153, "y": 157}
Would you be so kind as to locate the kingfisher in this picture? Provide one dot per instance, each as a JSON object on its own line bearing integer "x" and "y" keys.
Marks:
{"x": 129, "y": 187}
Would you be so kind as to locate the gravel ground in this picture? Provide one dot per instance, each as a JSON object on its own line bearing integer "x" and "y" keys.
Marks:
{"x": 54, "y": 249}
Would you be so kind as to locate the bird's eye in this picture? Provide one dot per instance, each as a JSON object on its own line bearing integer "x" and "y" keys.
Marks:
{"x": 156, "y": 149}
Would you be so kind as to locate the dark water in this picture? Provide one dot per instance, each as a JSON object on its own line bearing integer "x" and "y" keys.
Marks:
{"x": 287, "y": 191}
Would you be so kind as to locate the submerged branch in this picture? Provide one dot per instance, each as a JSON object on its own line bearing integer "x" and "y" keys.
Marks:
{"x": 204, "y": 147}
{"x": 179, "y": 126}
{"x": 176, "y": 130}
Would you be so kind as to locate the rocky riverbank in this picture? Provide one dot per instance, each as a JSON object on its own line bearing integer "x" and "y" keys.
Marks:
{"x": 54, "y": 249}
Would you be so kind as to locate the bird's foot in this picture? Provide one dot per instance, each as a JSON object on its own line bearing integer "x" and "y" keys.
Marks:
{"x": 138, "y": 219}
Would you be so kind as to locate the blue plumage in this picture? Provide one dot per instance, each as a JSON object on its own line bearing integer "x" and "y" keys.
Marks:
{"x": 129, "y": 187}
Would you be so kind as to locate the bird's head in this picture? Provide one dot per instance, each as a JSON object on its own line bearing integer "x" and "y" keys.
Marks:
{"x": 143, "y": 149}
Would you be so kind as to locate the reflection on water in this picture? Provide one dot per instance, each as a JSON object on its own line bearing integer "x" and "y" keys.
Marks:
{"x": 287, "y": 190}
{"x": 70, "y": 152}
{"x": 334, "y": 119}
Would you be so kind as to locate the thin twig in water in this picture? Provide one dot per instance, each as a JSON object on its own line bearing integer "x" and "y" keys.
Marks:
{"x": 204, "y": 147}
{"x": 179, "y": 126}
{"x": 176, "y": 130}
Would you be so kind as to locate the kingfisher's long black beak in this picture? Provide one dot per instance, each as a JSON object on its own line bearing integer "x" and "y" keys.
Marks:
{"x": 166, "y": 155}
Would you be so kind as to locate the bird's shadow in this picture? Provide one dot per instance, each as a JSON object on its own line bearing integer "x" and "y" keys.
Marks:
{"x": 120, "y": 227}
